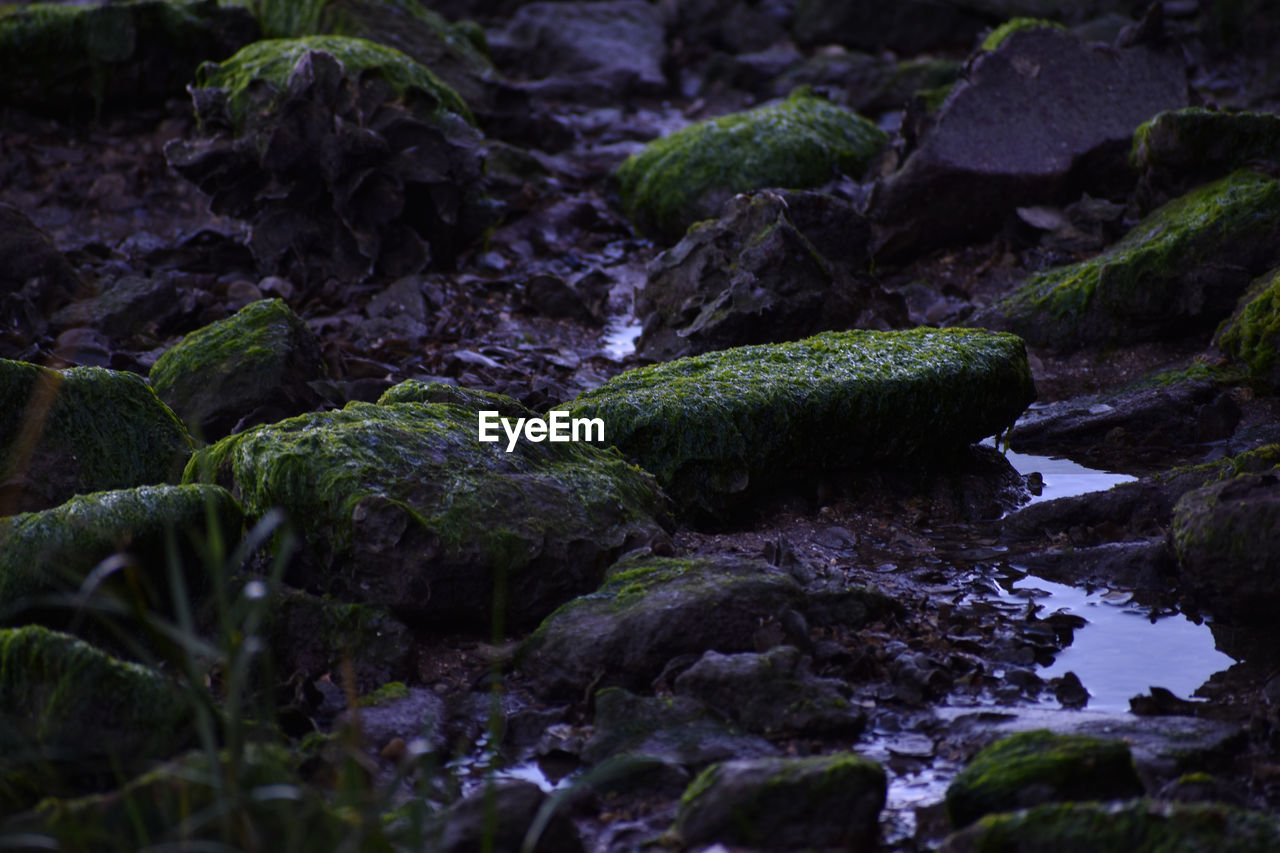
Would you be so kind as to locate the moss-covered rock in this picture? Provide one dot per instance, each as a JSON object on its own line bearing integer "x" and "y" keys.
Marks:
{"x": 647, "y": 612}
{"x": 55, "y": 550}
{"x": 85, "y": 429}
{"x": 1037, "y": 767}
{"x": 1250, "y": 337}
{"x": 803, "y": 141}
{"x": 997, "y": 36}
{"x": 251, "y": 368}
{"x": 784, "y": 803}
{"x": 79, "y": 58}
{"x": 349, "y": 158}
{"x": 1224, "y": 536}
{"x": 726, "y": 427}
{"x": 1178, "y": 149}
{"x": 71, "y": 715}
{"x": 401, "y": 505}
{"x": 1180, "y": 270}
{"x": 1139, "y": 826}
{"x": 256, "y": 799}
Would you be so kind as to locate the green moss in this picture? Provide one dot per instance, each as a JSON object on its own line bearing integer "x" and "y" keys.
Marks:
{"x": 70, "y": 58}
{"x": 1040, "y": 766}
{"x": 271, "y": 62}
{"x": 1197, "y": 371}
{"x": 70, "y": 711}
{"x": 83, "y": 430}
{"x": 389, "y": 692}
{"x": 797, "y": 143}
{"x": 1251, "y": 336}
{"x": 417, "y": 391}
{"x": 1017, "y": 25}
{"x": 1199, "y": 139}
{"x": 1139, "y": 825}
{"x": 1108, "y": 298}
{"x": 725, "y": 427}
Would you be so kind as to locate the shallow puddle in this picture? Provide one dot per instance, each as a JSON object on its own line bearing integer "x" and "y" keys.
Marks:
{"x": 1062, "y": 477}
{"x": 620, "y": 335}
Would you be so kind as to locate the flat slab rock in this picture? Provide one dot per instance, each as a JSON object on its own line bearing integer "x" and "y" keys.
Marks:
{"x": 400, "y": 505}
{"x": 725, "y": 428}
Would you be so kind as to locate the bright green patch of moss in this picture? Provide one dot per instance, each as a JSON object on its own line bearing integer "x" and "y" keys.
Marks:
{"x": 1251, "y": 337}
{"x": 1139, "y": 825}
{"x": 55, "y": 550}
{"x": 800, "y": 142}
{"x": 1017, "y": 25}
{"x": 724, "y": 427}
{"x": 417, "y": 391}
{"x": 1197, "y": 371}
{"x": 1200, "y": 139}
{"x": 272, "y": 60}
{"x": 70, "y": 711}
{"x": 1118, "y": 295}
{"x": 388, "y": 692}
{"x": 1040, "y": 766}
{"x": 83, "y": 430}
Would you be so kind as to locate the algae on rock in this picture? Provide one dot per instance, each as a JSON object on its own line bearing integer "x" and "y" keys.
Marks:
{"x": 724, "y": 428}
{"x": 1178, "y": 271}
{"x": 803, "y": 141}
{"x": 1252, "y": 334}
{"x": 1178, "y": 149}
{"x": 1039, "y": 766}
{"x": 784, "y": 803}
{"x": 80, "y": 430}
{"x": 260, "y": 358}
{"x": 400, "y": 505}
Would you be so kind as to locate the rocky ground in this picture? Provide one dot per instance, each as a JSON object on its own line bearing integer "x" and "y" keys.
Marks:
{"x": 901, "y": 606}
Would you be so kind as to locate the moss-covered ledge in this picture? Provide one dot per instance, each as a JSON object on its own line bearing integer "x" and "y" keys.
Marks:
{"x": 800, "y": 142}
{"x": 724, "y": 428}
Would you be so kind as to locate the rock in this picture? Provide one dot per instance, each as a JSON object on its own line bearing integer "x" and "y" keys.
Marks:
{"x": 771, "y": 693}
{"x": 868, "y": 84}
{"x": 248, "y": 369}
{"x": 1180, "y": 270}
{"x": 158, "y": 803}
{"x": 80, "y": 430}
{"x": 781, "y": 803}
{"x": 74, "y": 715}
{"x": 396, "y": 711}
{"x": 726, "y": 25}
{"x": 674, "y": 730}
{"x": 803, "y": 141}
{"x": 78, "y": 60}
{"x": 125, "y": 307}
{"x": 1224, "y": 536}
{"x": 614, "y": 47}
{"x": 1040, "y": 119}
{"x": 649, "y": 611}
{"x": 725, "y": 428}
{"x": 348, "y": 157}
{"x": 28, "y": 253}
{"x": 498, "y": 818}
{"x": 1039, "y": 767}
{"x": 315, "y": 635}
{"x": 57, "y": 550}
{"x": 1179, "y": 149}
{"x": 1146, "y": 564}
{"x": 1250, "y": 336}
{"x": 1107, "y": 828}
{"x": 399, "y": 505}
{"x": 777, "y": 266}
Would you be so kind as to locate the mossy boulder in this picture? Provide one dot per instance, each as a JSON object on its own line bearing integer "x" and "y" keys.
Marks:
{"x": 80, "y": 430}
{"x": 802, "y": 141}
{"x": 1178, "y": 272}
{"x": 649, "y": 611}
{"x": 1039, "y": 766}
{"x": 1251, "y": 335}
{"x": 349, "y": 158}
{"x": 257, "y": 796}
{"x": 784, "y": 803}
{"x": 54, "y": 551}
{"x": 400, "y": 505}
{"x": 251, "y": 368}
{"x": 1224, "y": 536}
{"x": 79, "y": 59}
{"x": 1138, "y": 826}
{"x": 71, "y": 715}
{"x": 1178, "y": 149}
{"x": 724, "y": 428}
